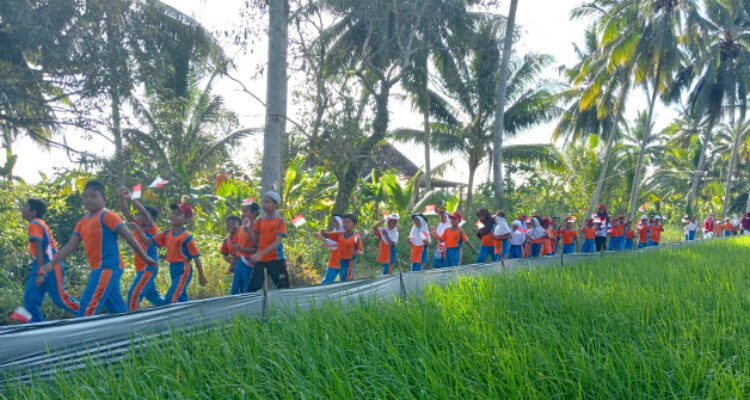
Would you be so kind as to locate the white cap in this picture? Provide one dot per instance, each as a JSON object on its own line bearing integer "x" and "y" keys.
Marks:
{"x": 394, "y": 217}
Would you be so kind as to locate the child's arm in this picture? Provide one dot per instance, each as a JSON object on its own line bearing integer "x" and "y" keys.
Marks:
{"x": 125, "y": 233}
{"x": 201, "y": 276}
{"x": 61, "y": 255}
{"x": 38, "y": 252}
{"x": 257, "y": 256}
{"x": 468, "y": 243}
{"x": 122, "y": 195}
{"x": 142, "y": 211}
{"x": 133, "y": 228}
{"x": 232, "y": 264}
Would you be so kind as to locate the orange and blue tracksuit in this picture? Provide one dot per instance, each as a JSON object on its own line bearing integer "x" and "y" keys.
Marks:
{"x": 629, "y": 236}
{"x": 144, "y": 284}
{"x": 487, "y": 250}
{"x": 727, "y": 229}
{"x": 53, "y": 283}
{"x": 454, "y": 240}
{"x": 569, "y": 237}
{"x": 333, "y": 267}
{"x": 98, "y": 232}
{"x": 348, "y": 243}
{"x": 589, "y": 239}
{"x": 617, "y": 238}
{"x": 656, "y": 231}
{"x": 243, "y": 268}
{"x": 386, "y": 252}
{"x": 181, "y": 249}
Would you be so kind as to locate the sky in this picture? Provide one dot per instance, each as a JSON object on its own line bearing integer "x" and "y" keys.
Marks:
{"x": 545, "y": 28}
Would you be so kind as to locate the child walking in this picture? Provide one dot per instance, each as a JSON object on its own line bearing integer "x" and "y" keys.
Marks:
{"x": 388, "y": 236}
{"x": 43, "y": 247}
{"x": 437, "y": 258}
{"x": 349, "y": 246}
{"x": 144, "y": 284}
{"x": 501, "y": 234}
{"x": 589, "y": 237}
{"x": 269, "y": 232}
{"x": 517, "y": 240}
{"x": 454, "y": 238}
{"x": 332, "y": 271}
{"x": 98, "y": 231}
{"x": 181, "y": 250}
{"x": 569, "y": 236}
{"x": 419, "y": 238}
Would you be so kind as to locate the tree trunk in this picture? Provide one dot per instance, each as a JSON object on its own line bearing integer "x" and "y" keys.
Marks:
{"x": 732, "y": 161}
{"x": 10, "y": 158}
{"x": 346, "y": 183}
{"x": 644, "y": 145}
{"x": 470, "y": 189}
{"x": 426, "y": 119}
{"x": 113, "y": 60}
{"x": 502, "y": 85}
{"x": 699, "y": 171}
{"x": 276, "y": 95}
{"x": 610, "y": 145}
{"x": 117, "y": 134}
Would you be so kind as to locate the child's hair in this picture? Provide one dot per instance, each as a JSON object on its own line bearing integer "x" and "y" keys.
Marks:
{"x": 500, "y": 213}
{"x": 152, "y": 210}
{"x": 96, "y": 185}
{"x": 235, "y": 219}
{"x": 351, "y": 217}
{"x": 37, "y": 205}
{"x": 254, "y": 207}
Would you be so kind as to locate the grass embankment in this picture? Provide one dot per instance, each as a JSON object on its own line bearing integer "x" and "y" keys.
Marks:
{"x": 674, "y": 324}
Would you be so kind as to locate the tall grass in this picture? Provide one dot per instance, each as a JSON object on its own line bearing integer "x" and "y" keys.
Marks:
{"x": 673, "y": 324}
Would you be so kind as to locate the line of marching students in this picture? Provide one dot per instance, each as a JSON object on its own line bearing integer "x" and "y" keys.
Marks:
{"x": 254, "y": 247}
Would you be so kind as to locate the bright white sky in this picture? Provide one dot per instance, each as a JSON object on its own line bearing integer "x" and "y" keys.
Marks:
{"x": 545, "y": 25}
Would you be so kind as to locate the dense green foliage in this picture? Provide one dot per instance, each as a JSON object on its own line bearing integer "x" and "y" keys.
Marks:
{"x": 670, "y": 324}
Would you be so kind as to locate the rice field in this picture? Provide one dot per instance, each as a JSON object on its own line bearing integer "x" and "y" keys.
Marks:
{"x": 667, "y": 325}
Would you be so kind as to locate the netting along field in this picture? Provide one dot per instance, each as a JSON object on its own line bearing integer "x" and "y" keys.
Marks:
{"x": 672, "y": 324}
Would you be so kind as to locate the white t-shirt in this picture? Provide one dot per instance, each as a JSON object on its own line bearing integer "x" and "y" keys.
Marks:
{"x": 517, "y": 238}
{"x": 391, "y": 234}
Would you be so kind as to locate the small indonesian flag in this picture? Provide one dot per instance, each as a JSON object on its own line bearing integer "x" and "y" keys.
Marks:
{"x": 136, "y": 192}
{"x": 248, "y": 201}
{"x": 583, "y": 210}
{"x": 298, "y": 221}
{"x": 480, "y": 225}
{"x": 20, "y": 314}
{"x": 463, "y": 221}
{"x": 159, "y": 182}
{"x": 642, "y": 209}
{"x": 429, "y": 210}
{"x": 385, "y": 215}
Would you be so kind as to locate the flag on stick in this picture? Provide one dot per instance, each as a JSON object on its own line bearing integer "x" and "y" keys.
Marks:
{"x": 298, "y": 221}
{"x": 480, "y": 225}
{"x": 642, "y": 209}
{"x": 158, "y": 183}
{"x": 429, "y": 210}
{"x": 136, "y": 192}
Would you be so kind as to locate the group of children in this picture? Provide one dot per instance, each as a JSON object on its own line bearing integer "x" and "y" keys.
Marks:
{"x": 255, "y": 246}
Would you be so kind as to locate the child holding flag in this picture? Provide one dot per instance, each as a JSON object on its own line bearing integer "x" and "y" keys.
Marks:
{"x": 656, "y": 230}
{"x": 501, "y": 234}
{"x": 43, "y": 247}
{"x": 181, "y": 250}
{"x": 337, "y": 223}
{"x": 244, "y": 247}
{"x": 388, "y": 239}
{"x": 144, "y": 284}
{"x": 485, "y": 225}
{"x": 438, "y": 260}
{"x": 349, "y": 246}
{"x": 98, "y": 231}
{"x": 644, "y": 231}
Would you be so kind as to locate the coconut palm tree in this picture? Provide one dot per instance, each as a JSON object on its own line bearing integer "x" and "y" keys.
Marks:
{"x": 717, "y": 40}
{"x": 463, "y": 115}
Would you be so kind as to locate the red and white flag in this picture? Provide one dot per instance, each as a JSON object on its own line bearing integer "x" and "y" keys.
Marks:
{"x": 136, "y": 192}
{"x": 159, "y": 182}
{"x": 460, "y": 224}
{"x": 480, "y": 225}
{"x": 429, "y": 210}
{"x": 21, "y": 314}
{"x": 298, "y": 221}
{"x": 583, "y": 210}
{"x": 248, "y": 201}
{"x": 642, "y": 209}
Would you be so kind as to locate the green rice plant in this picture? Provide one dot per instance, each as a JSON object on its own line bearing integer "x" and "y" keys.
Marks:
{"x": 668, "y": 324}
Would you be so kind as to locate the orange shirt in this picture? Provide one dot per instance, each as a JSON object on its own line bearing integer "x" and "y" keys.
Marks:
{"x": 416, "y": 253}
{"x": 617, "y": 231}
{"x": 384, "y": 252}
{"x": 656, "y": 233}
{"x": 629, "y": 233}
{"x": 98, "y": 232}
{"x": 455, "y": 238}
{"x": 244, "y": 240}
{"x": 267, "y": 230}
{"x": 727, "y": 226}
{"x": 643, "y": 233}
{"x": 226, "y": 246}
{"x": 38, "y": 230}
{"x": 334, "y": 260}
{"x": 589, "y": 233}
{"x": 347, "y": 244}
{"x": 180, "y": 246}
{"x": 152, "y": 252}
{"x": 568, "y": 235}
{"x": 487, "y": 239}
